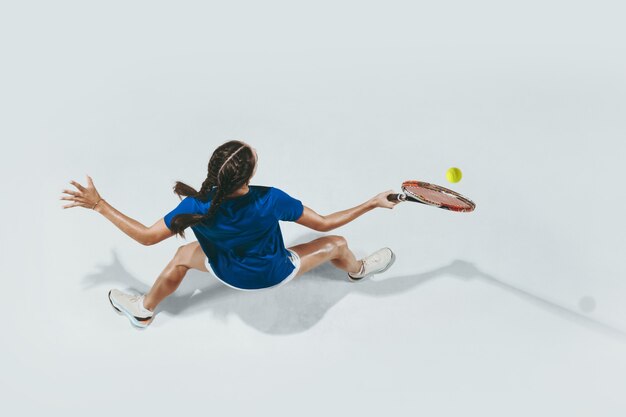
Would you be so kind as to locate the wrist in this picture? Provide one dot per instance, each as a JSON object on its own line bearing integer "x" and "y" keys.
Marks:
{"x": 99, "y": 206}
{"x": 371, "y": 204}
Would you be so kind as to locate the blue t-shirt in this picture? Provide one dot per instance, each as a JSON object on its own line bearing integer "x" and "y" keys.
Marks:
{"x": 244, "y": 244}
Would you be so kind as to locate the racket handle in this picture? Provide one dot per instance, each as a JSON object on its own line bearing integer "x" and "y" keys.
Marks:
{"x": 396, "y": 197}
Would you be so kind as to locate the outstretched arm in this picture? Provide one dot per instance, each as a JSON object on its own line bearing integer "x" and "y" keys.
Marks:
{"x": 143, "y": 234}
{"x": 89, "y": 197}
{"x": 332, "y": 221}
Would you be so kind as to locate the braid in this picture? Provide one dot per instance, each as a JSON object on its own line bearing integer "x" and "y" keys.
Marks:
{"x": 233, "y": 173}
{"x": 219, "y": 197}
{"x": 231, "y": 166}
{"x": 206, "y": 187}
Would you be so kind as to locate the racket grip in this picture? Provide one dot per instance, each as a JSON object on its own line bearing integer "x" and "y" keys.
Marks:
{"x": 396, "y": 197}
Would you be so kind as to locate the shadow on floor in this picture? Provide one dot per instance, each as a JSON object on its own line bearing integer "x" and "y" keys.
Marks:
{"x": 299, "y": 305}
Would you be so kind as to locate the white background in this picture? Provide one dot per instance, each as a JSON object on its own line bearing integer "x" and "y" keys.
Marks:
{"x": 516, "y": 309}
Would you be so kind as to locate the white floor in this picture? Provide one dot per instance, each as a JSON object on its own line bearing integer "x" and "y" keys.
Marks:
{"x": 516, "y": 309}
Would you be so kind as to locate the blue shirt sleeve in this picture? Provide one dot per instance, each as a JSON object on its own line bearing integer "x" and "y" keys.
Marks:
{"x": 187, "y": 206}
{"x": 286, "y": 207}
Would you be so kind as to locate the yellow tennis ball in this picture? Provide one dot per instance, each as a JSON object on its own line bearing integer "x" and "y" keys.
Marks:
{"x": 454, "y": 175}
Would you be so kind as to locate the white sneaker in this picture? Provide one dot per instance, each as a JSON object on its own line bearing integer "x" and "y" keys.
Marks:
{"x": 377, "y": 262}
{"x": 132, "y": 307}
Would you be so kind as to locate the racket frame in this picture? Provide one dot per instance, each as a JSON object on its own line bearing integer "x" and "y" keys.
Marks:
{"x": 407, "y": 195}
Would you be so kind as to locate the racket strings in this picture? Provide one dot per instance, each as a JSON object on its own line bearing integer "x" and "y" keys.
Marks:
{"x": 438, "y": 196}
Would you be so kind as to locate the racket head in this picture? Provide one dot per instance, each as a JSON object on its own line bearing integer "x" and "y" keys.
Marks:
{"x": 438, "y": 196}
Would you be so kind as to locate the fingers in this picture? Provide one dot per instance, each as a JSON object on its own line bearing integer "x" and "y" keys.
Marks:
{"x": 393, "y": 201}
{"x": 77, "y": 185}
{"x": 74, "y": 205}
{"x": 74, "y": 198}
{"x": 77, "y": 198}
{"x": 83, "y": 197}
{"x": 71, "y": 192}
{"x": 383, "y": 201}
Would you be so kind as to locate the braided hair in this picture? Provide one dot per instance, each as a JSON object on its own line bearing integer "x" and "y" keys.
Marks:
{"x": 231, "y": 166}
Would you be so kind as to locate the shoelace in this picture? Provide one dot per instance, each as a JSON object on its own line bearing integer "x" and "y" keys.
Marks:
{"x": 373, "y": 259}
{"x": 135, "y": 299}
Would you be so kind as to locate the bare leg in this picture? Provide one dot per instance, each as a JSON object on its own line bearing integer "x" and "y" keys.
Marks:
{"x": 328, "y": 248}
{"x": 186, "y": 257}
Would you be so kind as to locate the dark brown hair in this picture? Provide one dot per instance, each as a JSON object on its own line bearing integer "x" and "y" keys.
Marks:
{"x": 230, "y": 167}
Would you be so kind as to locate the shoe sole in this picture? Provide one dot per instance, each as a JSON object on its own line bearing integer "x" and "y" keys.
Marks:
{"x": 391, "y": 261}
{"x": 132, "y": 318}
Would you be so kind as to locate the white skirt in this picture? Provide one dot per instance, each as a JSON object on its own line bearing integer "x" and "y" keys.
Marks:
{"x": 294, "y": 258}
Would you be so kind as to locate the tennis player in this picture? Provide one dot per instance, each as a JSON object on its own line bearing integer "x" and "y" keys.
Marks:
{"x": 239, "y": 240}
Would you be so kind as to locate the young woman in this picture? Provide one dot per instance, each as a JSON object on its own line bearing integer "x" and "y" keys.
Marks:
{"x": 239, "y": 237}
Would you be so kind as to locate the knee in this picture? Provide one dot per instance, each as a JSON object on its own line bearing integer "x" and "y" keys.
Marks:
{"x": 338, "y": 243}
{"x": 183, "y": 254}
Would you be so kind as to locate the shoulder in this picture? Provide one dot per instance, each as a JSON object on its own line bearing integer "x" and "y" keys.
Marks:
{"x": 260, "y": 188}
{"x": 269, "y": 194}
{"x": 190, "y": 201}
{"x": 272, "y": 194}
{"x": 284, "y": 206}
{"x": 278, "y": 193}
{"x": 261, "y": 191}
{"x": 188, "y": 204}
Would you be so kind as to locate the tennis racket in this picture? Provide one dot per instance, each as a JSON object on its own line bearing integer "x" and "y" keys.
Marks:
{"x": 433, "y": 195}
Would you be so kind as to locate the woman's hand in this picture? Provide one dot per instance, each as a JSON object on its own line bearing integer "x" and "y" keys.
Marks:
{"x": 86, "y": 197}
{"x": 380, "y": 200}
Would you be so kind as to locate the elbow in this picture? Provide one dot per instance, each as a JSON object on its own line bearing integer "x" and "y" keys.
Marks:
{"x": 146, "y": 241}
{"x": 325, "y": 227}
